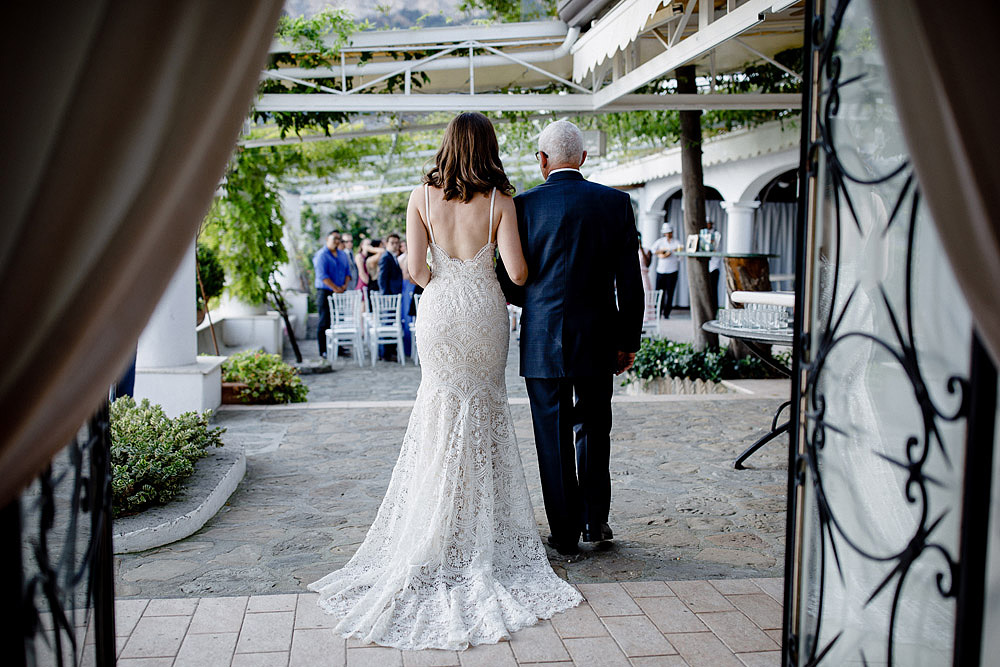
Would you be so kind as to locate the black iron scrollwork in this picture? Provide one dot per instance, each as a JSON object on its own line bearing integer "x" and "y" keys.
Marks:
{"x": 66, "y": 553}
{"x": 832, "y": 331}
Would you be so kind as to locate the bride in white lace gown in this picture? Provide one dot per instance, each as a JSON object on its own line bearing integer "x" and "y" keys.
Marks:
{"x": 453, "y": 557}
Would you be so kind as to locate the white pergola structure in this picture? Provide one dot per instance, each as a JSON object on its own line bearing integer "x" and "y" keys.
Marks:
{"x": 474, "y": 67}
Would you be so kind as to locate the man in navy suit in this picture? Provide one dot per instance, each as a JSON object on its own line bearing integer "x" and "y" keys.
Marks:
{"x": 390, "y": 281}
{"x": 581, "y": 244}
{"x": 390, "y": 276}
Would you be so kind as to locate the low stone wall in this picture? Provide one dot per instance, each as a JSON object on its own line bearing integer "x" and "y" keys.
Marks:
{"x": 673, "y": 385}
{"x": 214, "y": 479}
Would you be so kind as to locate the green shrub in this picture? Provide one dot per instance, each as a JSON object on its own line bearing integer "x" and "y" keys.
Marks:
{"x": 213, "y": 277}
{"x": 152, "y": 454}
{"x": 268, "y": 378}
{"x": 659, "y": 357}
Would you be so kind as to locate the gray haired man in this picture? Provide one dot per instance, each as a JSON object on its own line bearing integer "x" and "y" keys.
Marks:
{"x": 580, "y": 243}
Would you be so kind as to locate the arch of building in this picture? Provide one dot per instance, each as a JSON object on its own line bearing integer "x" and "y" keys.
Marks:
{"x": 738, "y": 181}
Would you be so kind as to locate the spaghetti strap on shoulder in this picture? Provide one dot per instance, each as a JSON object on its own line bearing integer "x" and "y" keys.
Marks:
{"x": 489, "y": 229}
{"x": 427, "y": 212}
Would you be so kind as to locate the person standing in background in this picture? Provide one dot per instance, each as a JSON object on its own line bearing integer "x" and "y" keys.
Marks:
{"x": 667, "y": 265}
{"x": 714, "y": 262}
{"x": 644, "y": 259}
{"x": 331, "y": 265}
{"x": 406, "y": 302}
{"x": 390, "y": 282}
{"x": 347, "y": 247}
{"x": 372, "y": 264}
{"x": 359, "y": 264}
{"x": 390, "y": 276}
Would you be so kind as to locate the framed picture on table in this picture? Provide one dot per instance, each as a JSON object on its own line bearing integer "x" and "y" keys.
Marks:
{"x": 692, "y": 243}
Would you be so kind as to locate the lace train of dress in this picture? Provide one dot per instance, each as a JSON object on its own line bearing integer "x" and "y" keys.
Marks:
{"x": 453, "y": 557}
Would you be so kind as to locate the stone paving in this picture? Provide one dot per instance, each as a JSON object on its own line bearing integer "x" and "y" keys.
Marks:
{"x": 719, "y": 623}
{"x": 316, "y": 473}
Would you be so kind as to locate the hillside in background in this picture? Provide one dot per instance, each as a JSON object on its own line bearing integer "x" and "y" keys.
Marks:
{"x": 388, "y": 13}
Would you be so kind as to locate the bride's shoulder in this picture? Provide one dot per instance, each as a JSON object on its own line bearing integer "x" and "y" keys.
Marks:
{"x": 417, "y": 194}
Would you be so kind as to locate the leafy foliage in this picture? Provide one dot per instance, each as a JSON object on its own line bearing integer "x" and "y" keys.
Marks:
{"x": 152, "y": 454}
{"x": 660, "y": 357}
{"x": 311, "y": 33}
{"x": 213, "y": 276}
{"x": 510, "y": 11}
{"x": 245, "y": 227}
{"x": 268, "y": 378}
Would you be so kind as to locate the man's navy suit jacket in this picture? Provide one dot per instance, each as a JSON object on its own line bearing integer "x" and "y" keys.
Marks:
{"x": 580, "y": 242}
{"x": 390, "y": 276}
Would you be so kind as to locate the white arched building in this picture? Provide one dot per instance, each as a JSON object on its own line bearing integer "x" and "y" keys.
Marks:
{"x": 741, "y": 170}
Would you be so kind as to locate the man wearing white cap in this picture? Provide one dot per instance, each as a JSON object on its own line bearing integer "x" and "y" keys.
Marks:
{"x": 667, "y": 265}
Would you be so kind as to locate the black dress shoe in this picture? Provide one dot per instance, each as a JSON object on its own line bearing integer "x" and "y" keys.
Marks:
{"x": 564, "y": 548}
{"x": 600, "y": 533}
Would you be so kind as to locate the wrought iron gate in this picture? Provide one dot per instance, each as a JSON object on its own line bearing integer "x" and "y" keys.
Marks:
{"x": 57, "y": 559}
{"x": 890, "y": 466}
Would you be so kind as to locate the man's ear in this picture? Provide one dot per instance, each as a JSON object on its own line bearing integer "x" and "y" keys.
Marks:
{"x": 584, "y": 158}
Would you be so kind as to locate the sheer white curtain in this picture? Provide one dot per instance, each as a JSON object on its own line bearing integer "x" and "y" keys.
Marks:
{"x": 117, "y": 122}
{"x": 941, "y": 58}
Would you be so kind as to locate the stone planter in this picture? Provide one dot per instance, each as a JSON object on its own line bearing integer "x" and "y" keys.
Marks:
{"x": 232, "y": 307}
{"x": 673, "y": 385}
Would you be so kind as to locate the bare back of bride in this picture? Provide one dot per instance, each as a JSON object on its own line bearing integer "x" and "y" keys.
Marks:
{"x": 453, "y": 557}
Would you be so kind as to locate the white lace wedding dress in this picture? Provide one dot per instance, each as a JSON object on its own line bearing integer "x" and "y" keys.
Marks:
{"x": 453, "y": 558}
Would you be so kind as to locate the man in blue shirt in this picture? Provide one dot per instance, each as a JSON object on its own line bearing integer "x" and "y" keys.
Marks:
{"x": 332, "y": 273}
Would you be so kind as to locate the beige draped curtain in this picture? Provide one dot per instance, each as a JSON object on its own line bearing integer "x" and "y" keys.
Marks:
{"x": 116, "y": 124}
{"x": 941, "y": 59}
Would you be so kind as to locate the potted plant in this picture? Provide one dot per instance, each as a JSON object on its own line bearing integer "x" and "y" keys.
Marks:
{"x": 252, "y": 376}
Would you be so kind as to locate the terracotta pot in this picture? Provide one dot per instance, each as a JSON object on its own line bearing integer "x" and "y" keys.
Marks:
{"x": 231, "y": 393}
{"x": 201, "y": 315}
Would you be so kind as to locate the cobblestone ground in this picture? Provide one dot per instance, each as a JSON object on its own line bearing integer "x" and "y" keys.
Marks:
{"x": 316, "y": 473}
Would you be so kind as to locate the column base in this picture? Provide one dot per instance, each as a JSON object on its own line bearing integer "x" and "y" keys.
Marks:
{"x": 192, "y": 387}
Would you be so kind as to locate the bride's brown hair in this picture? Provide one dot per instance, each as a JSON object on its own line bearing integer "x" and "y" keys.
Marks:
{"x": 468, "y": 161}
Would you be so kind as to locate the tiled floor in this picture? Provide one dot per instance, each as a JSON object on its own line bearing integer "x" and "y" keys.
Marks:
{"x": 718, "y": 623}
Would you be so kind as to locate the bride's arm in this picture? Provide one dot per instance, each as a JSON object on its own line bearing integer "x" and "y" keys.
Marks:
{"x": 509, "y": 243}
{"x": 416, "y": 240}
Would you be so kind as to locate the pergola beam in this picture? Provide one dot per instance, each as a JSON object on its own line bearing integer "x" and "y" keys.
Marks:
{"x": 368, "y": 40}
{"x": 570, "y": 103}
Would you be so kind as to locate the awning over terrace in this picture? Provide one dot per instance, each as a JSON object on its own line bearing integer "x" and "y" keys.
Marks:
{"x": 639, "y": 41}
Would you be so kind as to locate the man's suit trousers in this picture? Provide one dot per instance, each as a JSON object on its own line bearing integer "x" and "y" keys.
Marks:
{"x": 576, "y": 480}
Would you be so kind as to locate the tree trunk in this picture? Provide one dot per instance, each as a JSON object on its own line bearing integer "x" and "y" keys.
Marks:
{"x": 693, "y": 194}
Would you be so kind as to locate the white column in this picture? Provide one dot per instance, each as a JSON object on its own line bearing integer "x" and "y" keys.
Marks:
{"x": 169, "y": 337}
{"x": 288, "y": 278}
{"x": 739, "y": 225}
{"x": 291, "y": 209}
{"x": 168, "y": 369}
{"x": 649, "y": 226}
